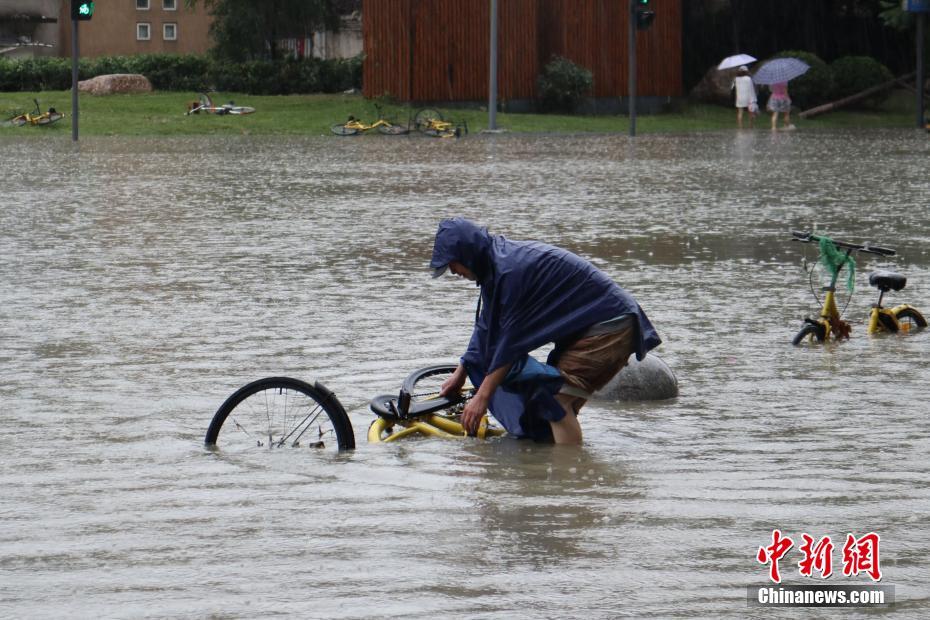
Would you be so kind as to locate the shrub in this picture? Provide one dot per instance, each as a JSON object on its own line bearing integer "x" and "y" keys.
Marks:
{"x": 854, "y": 74}
{"x": 814, "y": 87}
{"x": 562, "y": 85}
{"x": 189, "y": 72}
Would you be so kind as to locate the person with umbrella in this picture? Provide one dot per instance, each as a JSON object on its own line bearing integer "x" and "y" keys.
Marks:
{"x": 780, "y": 103}
{"x": 777, "y": 73}
{"x": 745, "y": 96}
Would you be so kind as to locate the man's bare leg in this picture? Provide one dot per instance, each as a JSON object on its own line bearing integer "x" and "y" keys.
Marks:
{"x": 567, "y": 430}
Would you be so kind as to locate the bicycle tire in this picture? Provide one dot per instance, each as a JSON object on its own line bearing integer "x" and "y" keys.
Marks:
{"x": 43, "y": 119}
{"x": 809, "y": 330}
{"x": 343, "y": 130}
{"x": 910, "y": 319}
{"x": 423, "y": 117}
{"x": 240, "y": 110}
{"x": 278, "y": 412}
{"x": 440, "y": 133}
{"x": 393, "y": 130}
{"x": 54, "y": 117}
{"x": 18, "y": 121}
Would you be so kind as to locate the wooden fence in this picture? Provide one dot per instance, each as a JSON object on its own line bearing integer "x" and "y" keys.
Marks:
{"x": 437, "y": 50}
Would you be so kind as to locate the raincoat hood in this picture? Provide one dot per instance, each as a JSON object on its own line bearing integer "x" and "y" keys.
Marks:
{"x": 461, "y": 240}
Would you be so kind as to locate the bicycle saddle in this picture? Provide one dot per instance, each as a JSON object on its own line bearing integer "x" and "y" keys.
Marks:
{"x": 887, "y": 281}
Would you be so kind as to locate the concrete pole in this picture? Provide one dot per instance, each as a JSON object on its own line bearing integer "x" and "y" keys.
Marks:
{"x": 74, "y": 80}
{"x": 631, "y": 57}
{"x": 921, "y": 20}
{"x": 492, "y": 85}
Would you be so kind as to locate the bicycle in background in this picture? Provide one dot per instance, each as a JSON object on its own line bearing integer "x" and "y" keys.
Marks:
{"x": 354, "y": 126}
{"x": 430, "y": 121}
{"x": 837, "y": 255}
{"x": 36, "y": 117}
{"x": 205, "y": 104}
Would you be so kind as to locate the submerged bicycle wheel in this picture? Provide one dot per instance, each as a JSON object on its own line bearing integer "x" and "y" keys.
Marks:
{"x": 809, "y": 332}
{"x": 910, "y": 320}
{"x": 279, "y": 412}
{"x": 393, "y": 130}
{"x": 343, "y": 130}
{"x": 423, "y": 119}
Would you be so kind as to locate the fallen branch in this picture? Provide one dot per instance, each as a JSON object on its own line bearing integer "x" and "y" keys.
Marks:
{"x": 829, "y": 107}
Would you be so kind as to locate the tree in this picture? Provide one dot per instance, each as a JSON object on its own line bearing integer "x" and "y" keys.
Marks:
{"x": 250, "y": 29}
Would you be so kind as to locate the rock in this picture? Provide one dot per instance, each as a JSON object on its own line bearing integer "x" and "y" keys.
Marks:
{"x": 116, "y": 83}
{"x": 650, "y": 379}
{"x": 714, "y": 87}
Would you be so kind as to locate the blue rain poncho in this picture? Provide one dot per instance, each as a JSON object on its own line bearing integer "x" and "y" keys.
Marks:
{"x": 532, "y": 294}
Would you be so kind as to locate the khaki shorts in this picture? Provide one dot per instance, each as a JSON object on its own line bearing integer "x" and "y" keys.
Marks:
{"x": 588, "y": 364}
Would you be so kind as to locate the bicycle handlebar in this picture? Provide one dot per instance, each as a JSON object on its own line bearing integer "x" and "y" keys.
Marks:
{"x": 871, "y": 249}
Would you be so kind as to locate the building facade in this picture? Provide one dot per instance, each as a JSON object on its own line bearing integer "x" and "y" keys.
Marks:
{"x": 128, "y": 27}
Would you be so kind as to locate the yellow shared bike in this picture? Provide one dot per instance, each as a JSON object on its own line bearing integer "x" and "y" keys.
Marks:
{"x": 278, "y": 413}
{"x": 431, "y": 122}
{"x": 354, "y": 126}
{"x": 36, "y": 117}
{"x": 835, "y": 256}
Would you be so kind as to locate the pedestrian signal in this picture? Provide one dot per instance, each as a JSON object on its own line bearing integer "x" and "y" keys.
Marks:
{"x": 82, "y": 10}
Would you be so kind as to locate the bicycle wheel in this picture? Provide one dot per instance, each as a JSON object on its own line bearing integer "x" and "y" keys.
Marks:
{"x": 440, "y": 133}
{"x": 279, "y": 412}
{"x": 393, "y": 130}
{"x": 811, "y": 332}
{"x": 343, "y": 130}
{"x": 423, "y": 387}
{"x": 241, "y": 109}
{"x": 423, "y": 117}
{"x": 910, "y": 319}
{"x": 18, "y": 121}
{"x": 44, "y": 119}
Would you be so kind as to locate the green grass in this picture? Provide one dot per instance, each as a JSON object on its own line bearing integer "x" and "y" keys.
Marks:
{"x": 162, "y": 114}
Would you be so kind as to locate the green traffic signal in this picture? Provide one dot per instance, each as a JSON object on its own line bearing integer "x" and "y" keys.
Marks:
{"x": 81, "y": 10}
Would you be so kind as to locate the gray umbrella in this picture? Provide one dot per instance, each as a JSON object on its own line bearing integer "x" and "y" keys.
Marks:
{"x": 780, "y": 70}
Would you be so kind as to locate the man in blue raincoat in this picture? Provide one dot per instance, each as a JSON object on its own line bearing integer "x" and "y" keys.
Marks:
{"x": 533, "y": 294}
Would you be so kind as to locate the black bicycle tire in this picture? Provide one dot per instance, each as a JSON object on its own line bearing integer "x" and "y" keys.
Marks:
{"x": 423, "y": 116}
{"x": 326, "y": 400}
{"x": 393, "y": 130}
{"x": 340, "y": 129}
{"x": 912, "y": 313}
{"x": 808, "y": 330}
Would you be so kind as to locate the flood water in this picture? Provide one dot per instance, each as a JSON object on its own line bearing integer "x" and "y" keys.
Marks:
{"x": 144, "y": 280}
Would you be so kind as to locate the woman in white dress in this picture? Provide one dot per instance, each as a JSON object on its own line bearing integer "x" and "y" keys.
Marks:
{"x": 745, "y": 96}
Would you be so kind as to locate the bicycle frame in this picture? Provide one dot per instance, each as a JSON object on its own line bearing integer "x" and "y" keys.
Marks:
{"x": 431, "y": 425}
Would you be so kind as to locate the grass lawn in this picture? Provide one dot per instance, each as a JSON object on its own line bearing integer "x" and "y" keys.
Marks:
{"x": 162, "y": 114}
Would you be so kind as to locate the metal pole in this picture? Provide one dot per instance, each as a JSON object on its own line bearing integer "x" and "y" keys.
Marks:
{"x": 921, "y": 20}
{"x": 74, "y": 80}
{"x": 631, "y": 17}
{"x": 492, "y": 85}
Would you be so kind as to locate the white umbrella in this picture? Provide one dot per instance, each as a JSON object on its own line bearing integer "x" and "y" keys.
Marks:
{"x": 735, "y": 61}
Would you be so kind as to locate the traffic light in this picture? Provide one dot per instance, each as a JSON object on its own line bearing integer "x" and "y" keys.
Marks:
{"x": 643, "y": 14}
{"x": 81, "y": 10}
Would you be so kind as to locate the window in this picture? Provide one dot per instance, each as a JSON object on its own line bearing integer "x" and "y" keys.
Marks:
{"x": 170, "y": 32}
{"x": 169, "y": 5}
{"x": 143, "y": 31}
{"x": 142, "y": 5}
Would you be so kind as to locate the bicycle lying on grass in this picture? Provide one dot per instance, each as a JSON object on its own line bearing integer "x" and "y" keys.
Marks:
{"x": 280, "y": 412}
{"x": 901, "y": 318}
{"x": 354, "y": 126}
{"x": 36, "y": 117}
{"x": 430, "y": 122}
{"x": 205, "y": 104}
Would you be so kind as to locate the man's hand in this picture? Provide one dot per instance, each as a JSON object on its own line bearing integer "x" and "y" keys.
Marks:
{"x": 475, "y": 409}
{"x": 453, "y": 385}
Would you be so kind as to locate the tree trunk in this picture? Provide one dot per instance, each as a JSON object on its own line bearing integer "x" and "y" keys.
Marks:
{"x": 829, "y": 107}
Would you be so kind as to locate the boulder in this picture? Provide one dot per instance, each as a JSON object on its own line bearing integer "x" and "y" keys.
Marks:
{"x": 714, "y": 87}
{"x": 650, "y": 379}
{"x": 116, "y": 83}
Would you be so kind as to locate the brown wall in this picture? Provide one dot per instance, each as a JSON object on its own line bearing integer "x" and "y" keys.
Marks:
{"x": 437, "y": 50}
{"x": 112, "y": 31}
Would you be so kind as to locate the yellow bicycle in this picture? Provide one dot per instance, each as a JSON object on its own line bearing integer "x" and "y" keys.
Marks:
{"x": 354, "y": 126}
{"x": 429, "y": 121}
{"x": 901, "y": 318}
{"x": 418, "y": 409}
{"x": 36, "y": 117}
